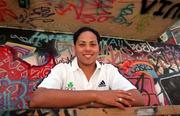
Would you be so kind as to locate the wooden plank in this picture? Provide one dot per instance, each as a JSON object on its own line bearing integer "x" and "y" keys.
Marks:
{"x": 133, "y": 111}
{"x": 160, "y": 110}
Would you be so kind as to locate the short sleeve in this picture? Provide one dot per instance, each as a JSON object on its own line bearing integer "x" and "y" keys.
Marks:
{"x": 118, "y": 82}
{"x": 55, "y": 78}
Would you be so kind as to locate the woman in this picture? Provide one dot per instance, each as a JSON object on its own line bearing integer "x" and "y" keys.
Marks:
{"x": 85, "y": 81}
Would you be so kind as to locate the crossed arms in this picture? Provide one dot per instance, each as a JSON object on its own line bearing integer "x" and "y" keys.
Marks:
{"x": 49, "y": 98}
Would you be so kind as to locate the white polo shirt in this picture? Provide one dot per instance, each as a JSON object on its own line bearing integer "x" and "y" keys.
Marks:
{"x": 71, "y": 77}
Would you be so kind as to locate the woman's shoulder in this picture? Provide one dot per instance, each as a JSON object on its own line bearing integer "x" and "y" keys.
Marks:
{"x": 62, "y": 65}
{"x": 108, "y": 65}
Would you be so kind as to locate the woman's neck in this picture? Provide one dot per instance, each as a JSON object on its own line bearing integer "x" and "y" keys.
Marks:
{"x": 88, "y": 70}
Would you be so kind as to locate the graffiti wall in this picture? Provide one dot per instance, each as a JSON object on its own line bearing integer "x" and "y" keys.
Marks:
{"x": 36, "y": 36}
{"x": 26, "y": 57}
{"x": 171, "y": 35}
{"x": 132, "y": 19}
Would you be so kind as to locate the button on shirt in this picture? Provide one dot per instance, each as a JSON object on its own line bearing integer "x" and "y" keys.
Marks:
{"x": 71, "y": 77}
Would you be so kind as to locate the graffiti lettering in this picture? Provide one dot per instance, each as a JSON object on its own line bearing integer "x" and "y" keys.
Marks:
{"x": 41, "y": 13}
{"x": 176, "y": 12}
{"x": 145, "y": 8}
{"x": 26, "y": 40}
{"x": 39, "y": 38}
{"x": 141, "y": 67}
{"x": 100, "y": 14}
{"x": 13, "y": 94}
{"x": 165, "y": 3}
{"x": 141, "y": 47}
{"x": 5, "y": 11}
{"x": 128, "y": 10}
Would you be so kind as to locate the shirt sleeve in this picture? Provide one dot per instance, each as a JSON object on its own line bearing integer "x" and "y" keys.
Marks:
{"x": 118, "y": 82}
{"x": 55, "y": 78}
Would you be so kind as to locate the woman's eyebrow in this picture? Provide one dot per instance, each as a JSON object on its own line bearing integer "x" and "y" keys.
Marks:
{"x": 81, "y": 41}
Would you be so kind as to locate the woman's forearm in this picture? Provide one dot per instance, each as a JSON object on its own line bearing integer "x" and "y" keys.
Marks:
{"x": 65, "y": 98}
{"x": 60, "y": 98}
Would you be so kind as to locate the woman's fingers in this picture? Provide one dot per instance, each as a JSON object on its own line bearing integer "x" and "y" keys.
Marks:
{"x": 118, "y": 98}
{"x": 125, "y": 95}
{"x": 119, "y": 105}
{"x": 124, "y": 98}
{"x": 124, "y": 102}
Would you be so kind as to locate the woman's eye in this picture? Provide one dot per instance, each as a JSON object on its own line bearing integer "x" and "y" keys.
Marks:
{"x": 81, "y": 44}
{"x": 93, "y": 44}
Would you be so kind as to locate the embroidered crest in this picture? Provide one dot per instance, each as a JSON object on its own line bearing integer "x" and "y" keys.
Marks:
{"x": 70, "y": 86}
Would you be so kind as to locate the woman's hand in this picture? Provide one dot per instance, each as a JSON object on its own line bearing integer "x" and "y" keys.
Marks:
{"x": 118, "y": 98}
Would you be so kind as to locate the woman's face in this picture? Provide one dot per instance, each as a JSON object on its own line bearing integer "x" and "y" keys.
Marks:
{"x": 86, "y": 48}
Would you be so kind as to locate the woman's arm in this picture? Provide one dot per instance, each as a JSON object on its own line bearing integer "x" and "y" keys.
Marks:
{"x": 138, "y": 101}
{"x": 119, "y": 82}
{"x": 138, "y": 98}
{"x": 43, "y": 97}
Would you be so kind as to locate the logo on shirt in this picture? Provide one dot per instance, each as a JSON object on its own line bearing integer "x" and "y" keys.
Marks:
{"x": 70, "y": 86}
{"x": 102, "y": 84}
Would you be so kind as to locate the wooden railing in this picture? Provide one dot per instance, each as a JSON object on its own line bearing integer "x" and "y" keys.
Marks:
{"x": 133, "y": 111}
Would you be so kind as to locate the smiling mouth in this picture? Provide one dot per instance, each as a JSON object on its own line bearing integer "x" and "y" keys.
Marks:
{"x": 88, "y": 55}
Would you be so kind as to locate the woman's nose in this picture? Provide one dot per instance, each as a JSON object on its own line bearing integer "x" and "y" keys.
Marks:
{"x": 88, "y": 47}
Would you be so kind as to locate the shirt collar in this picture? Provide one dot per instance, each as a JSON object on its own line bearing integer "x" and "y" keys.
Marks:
{"x": 75, "y": 65}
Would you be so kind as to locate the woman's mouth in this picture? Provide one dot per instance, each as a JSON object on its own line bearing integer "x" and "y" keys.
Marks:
{"x": 87, "y": 55}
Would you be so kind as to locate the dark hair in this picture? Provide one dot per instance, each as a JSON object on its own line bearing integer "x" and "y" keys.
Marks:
{"x": 84, "y": 29}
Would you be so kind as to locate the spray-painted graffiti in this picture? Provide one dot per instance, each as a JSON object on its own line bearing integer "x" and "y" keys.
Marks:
{"x": 37, "y": 14}
{"x": 147, "y": 62}
{"x": 175, "y": 8}
{"x": 88, "y": 11}
{"x": 121, "y": 19}
{"x": 171, "y": 36}
{"x": 142, "y": 75}
{"x": 18, "y": 78}
{"x": 5, "y": 11}
{"x": 99, "y": 10}
{"x": 95, "y": 11}
{"x": 11, "y": 66}
{"x": 13, "y": 93}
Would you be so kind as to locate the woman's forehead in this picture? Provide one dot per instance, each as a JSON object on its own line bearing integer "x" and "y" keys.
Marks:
{"x": 87, "y": 35}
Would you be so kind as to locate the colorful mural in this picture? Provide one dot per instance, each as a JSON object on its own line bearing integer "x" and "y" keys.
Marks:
{"x": 27, "y": 56}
